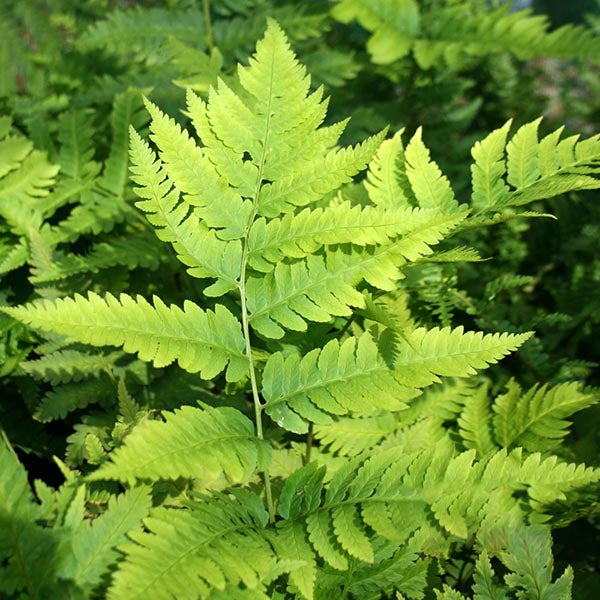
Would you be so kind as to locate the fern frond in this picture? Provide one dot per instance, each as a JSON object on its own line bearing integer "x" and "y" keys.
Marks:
{"x": 333, "y": 380}
{"x": 316, "y": 178}
{"x": 196, "y": 245}
{"x": 386, "y": 181}
{"x": 349, "y": 436}
{"x": 192, "y": 442}
{"x": 298, "y": 235}
{"x": 141, "y": 30}
{"x": 13, "y": 150}
{"x": 13, "y": 256}
{"x": 96, "y": 214}
{"x": 184, "y": 164}
{"x": 489, "y": 168}
{"x": 427, "y": 354}
{"x": 430, "y": 188}
{"x": 529, "y": 556}
{"x": 484, "y": 586}
{"x": 201, "y": 341}
{"x": 537, "y": 419}
{"x": 75, "y": 132}
{"x": 93, "y": 549}
{"x": 28, "y": 552}
{"x": 68, "y": 365}
{"x": 21, "y": 188}
{"x": 459, "y": 31}
{"x": 135, "y": 250}
{"x": 529, "y": 169}
{"x": 188, "y": 553}
{"x": 62, "y": 400}
{"x": 127, "y": 112}
{"x": 324, "y": 285}
{"x": 475, "y": 421}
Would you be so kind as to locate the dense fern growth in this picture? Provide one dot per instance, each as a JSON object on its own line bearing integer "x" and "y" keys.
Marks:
{"x": 288, "y": 427}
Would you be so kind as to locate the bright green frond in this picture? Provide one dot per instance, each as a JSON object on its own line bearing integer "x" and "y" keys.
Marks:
{"x": 350, "y": 436}
{"x": 351, "y": 376}
{"x": 534, "y": 169}
{"x": 190, "y": 172}
{"x": 94, "y": 548}
{"x": 301, "y": 234}
{"x": 430, "y": 188}
{"x": 475, "y": 422}
{"x": 193, "y": 443}
{"x": 489, "y": 169}
{"x": 178, "y": 223}
{"x": 448, "y": 352}
{"x": 185, "y": 554}
{"x": 317, "y": 177}
{"x": 537, "y": 419}
{"x": 200, "y": 341}
{"x": 315, "y": 289}
{"x": 324, "y": 285}
{"x": 386, "y": 181}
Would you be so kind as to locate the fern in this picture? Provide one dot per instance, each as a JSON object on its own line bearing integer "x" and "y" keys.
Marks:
{"x": 536, "y": 420}
{"x": 216, "y": 441}
{"x": 157, "y": 333}
{"x": 398, "y": 466}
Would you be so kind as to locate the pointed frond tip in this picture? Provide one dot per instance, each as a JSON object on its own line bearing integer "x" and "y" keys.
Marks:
{"x": 204, "y": 342}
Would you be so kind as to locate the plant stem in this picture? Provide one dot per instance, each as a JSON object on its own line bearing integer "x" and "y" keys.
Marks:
{"x": 209, "y": 31}
{"x": 255, "y": 395}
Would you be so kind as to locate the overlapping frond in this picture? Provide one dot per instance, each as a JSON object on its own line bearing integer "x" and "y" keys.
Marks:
{"x": 427, "y": 354}
{"x": 216, "y": 544}
{"x": 324, "y": 284}
{"x": 66, "y": 398}
{"x": 137, "y": 249}
{"x": 298, "y": 235}
{"x": 352, "y": 436}
{"x": 203, "y": 443}
{"x": 127, "y": 111}
{"x": 430, "y": 497}
{"x": 354, "y": 376}
{"x": 537, "y": 419}
{"x": 27, "y": 550}
{"x": 351, "y": 376}
{"x": 176, "y": 222}
{"x": 475, "y": 422}
{"x": 200, "y": 341}
{"x": 93, "y": 548}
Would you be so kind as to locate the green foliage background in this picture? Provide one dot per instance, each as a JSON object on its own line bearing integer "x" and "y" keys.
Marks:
{"x": 220, "y": 433}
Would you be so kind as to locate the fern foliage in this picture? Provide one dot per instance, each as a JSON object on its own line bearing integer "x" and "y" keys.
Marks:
{"x": 252, "y": 256}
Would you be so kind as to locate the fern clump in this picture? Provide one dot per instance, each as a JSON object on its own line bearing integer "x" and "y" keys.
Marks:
{"x": 299, "y": 314}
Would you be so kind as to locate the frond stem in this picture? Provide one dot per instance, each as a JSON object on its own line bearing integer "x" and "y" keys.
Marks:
{"x": 255, "y": 396}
